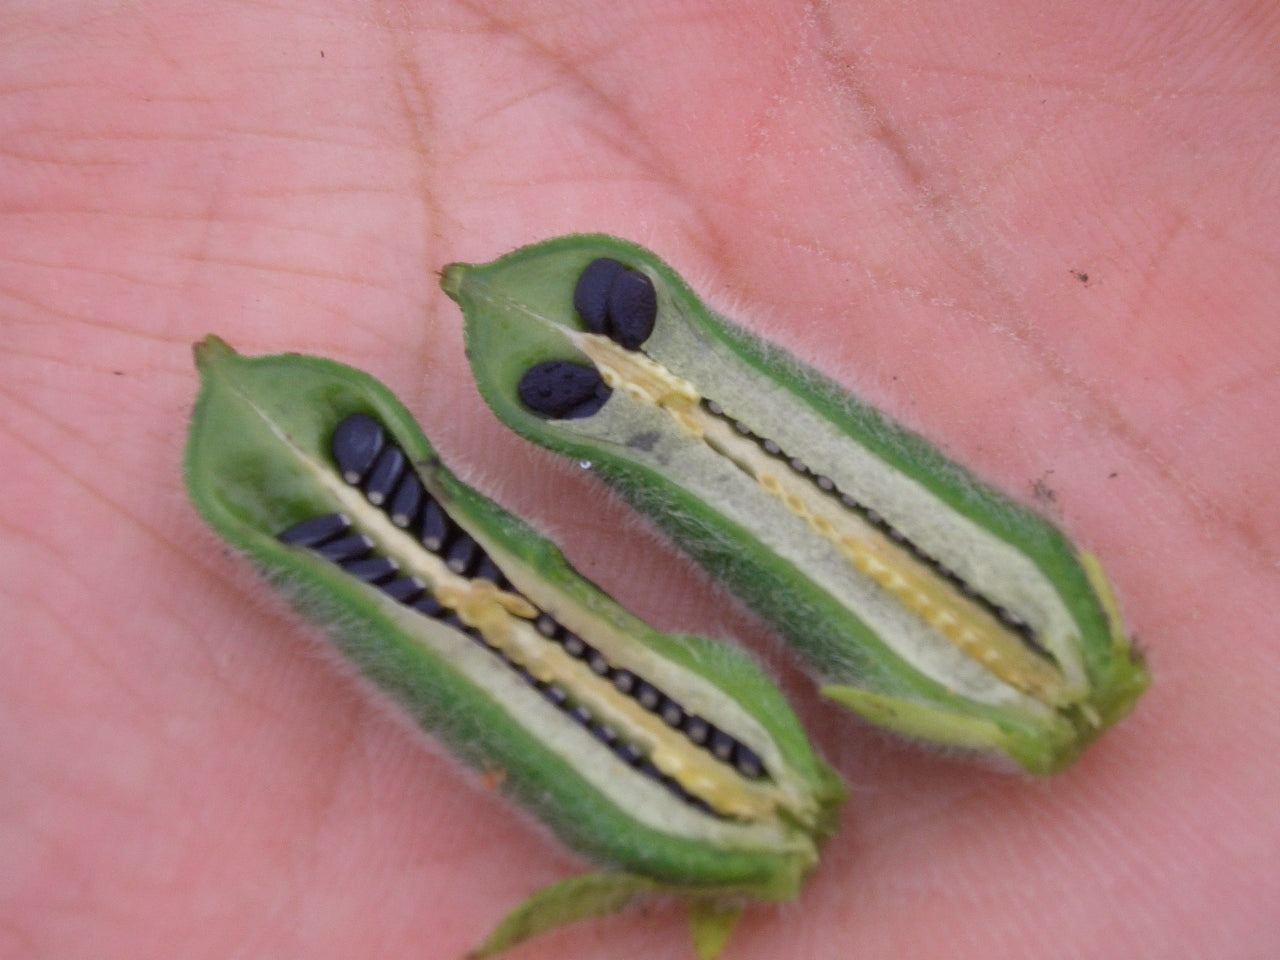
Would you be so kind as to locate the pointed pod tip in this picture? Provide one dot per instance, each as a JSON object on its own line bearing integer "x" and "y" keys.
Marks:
{"x": 210, "y": 350}
{"x": 452, "y": 277}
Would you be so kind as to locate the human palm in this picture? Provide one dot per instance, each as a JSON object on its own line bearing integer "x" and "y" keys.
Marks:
{"x": 1048, "y": 238}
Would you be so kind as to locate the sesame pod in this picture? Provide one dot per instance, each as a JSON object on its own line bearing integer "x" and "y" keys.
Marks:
{"x": 671, "y": 761}
{"x": 929, "y": 603}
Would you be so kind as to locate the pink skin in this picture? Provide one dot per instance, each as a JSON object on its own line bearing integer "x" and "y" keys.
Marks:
{"x": 1050, "y": 240}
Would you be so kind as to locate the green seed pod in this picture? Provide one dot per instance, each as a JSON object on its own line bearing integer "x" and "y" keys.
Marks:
{"x": 671, "y": 761}
{"x": 931, "y": 604}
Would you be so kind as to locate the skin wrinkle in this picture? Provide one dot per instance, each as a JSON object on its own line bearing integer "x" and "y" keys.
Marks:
{"x": 1102, "y": 415}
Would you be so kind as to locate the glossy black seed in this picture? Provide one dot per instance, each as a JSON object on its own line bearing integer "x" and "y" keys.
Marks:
{"x": 798, "y": 465}
{"x": 356, "y": 444}
{"x": 386, "y": 473}
{"x": 722, "y": 745}
{"x": 574, "y": 645}
{"x": 345, "y": 548}
{"x": 463, "y": 554}
{"x": 429, "y": 605}
{"x": 771, "y": 448}
{"x": 825, "y": 484}
{"x": 650, "y": 770}
{"x": 633, "y": 309}
{"x": 546, "y": 625}
{"x": 486, "y": 569}
{"x": 317, "y": 530}
{"x": 742, "y": 428}
{"x": 404, "y": 589}
{"x": 853, "y": 504}
{"x": 747, "y": 763}
{"x": 598, "y": 663}
{"x": 697, "y": 729}
{"x": 373, "y": 570}
{"x": 1011, "y": 619}
{"x": 713, "y": 408}
{"x": 624, "y": 681}
{"x": 874, "y": 518}
{"x": 563, "y": 390}
{"x": 435, "y": 526}
{"x": 647, "y": 696}
{"x": 556, "y": 695}
{"x": 591, "y": 294}
{"x": 581, "y": 714}
{"x": 672, "y": 713}
{"x": 407, "y": 501}
{"x": 629, "y": 753}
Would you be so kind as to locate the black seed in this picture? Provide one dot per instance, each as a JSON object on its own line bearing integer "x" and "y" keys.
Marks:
{"x": 463, "y": 553}
{"x": 486, "y": 569}
{"x": 853, "y": 504}
{"x": 629, "y": 753}
{"x": 598, "y": 663}
{"x": 771, "y": 448}
{"x": 574, "y": 645}
{"x": 825, "y": 484}
{"x": 560, "y": 390}
{"x": 581, "y": 714}
{"x": 546, "y": 625}
{"x": 748, "y": 764}
{"x": 874, "y": 518}
{"x": 346, "y": 548}
{"x": 672, "y": 713}
{"x": 435, "y": 526}
{"x": 408, "y": 498}
{"x": 624, "y": 681}
{"x": 356, "y": 444}
{"x": 404, "y": 589}
{"x": 713, "y": 408}
{"x": 1011, "y": 619}
{"x": 605, "y": 734}
{"x": 742, "y": 428}
{"x": 722, "y": 745}
{"x": 429, "y": 605}
{"x": 591, "y": 294}
{"x": 650, "y": 770}
{"x": 556, "y": 695}
{"x": 317, "y": 530}
{"x": 373, "y": 570}
{"x": 526, "y": 676}
{"x": 384, "y": 476}
{"x": 798, "y": 465}
{"x": 697, "y": 729}
{"x": 647, "y": 696}
{"x": 633, "y": 309}
{"x": 591, "y": 406}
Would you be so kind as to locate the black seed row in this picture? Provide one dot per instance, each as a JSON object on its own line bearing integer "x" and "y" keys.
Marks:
{"x": 1006, "y": 616}
{"x": 699, "y": 731}
{"x": 331, "y": 537}
{"x": 367, "y": 459}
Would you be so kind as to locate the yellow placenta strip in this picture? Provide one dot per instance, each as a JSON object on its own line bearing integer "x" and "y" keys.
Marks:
{"x": 702, "y": 775}
{"x": 969, "y": 626}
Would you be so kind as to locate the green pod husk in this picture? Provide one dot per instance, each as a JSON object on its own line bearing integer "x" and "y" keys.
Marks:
{"x": 930, "y": 604}
{"x": 477, "y": 649}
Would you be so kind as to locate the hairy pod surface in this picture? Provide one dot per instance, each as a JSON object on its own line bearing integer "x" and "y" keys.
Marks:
{"x": 930, "y": 604}
{"x": 669, "y": 760}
